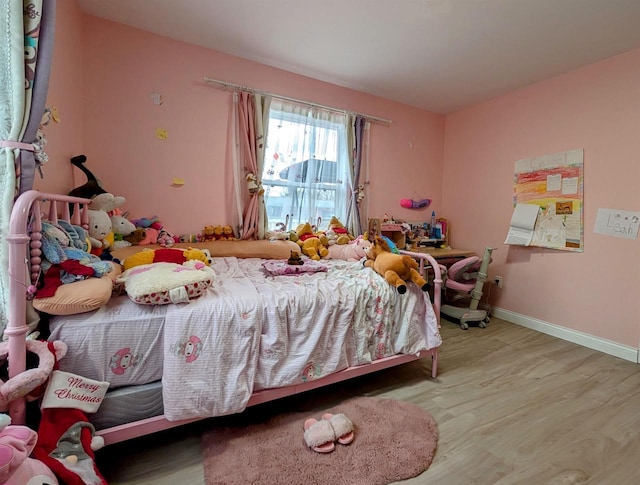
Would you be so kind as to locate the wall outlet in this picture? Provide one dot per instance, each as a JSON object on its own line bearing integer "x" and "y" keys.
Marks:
{"x": 497, "y": 280}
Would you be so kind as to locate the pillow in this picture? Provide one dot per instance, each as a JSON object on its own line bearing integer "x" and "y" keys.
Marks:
{"x": 163, "y": 283}
{"x": 240, "y": 249}
{"x": 79, "y": 296}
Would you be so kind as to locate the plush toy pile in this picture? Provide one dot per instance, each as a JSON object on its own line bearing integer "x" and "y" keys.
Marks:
{"x": 64, "y": 263}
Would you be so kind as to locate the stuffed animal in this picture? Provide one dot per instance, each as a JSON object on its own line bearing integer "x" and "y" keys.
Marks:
{"x": 100, "y": 233}
{"x": 92, "y": 187}
{"x": 165, "y": 239}
{"x": 121, "y": 227}
{"x": 145, "y": 222}
{"x": 78, "y": 236}
{"x": 227, "y": 233}
{"x": 309, "y": 243}
{"x": 106, "y": 202}
{"x": 136, "y": 236}
{"x": 25, "y": 382}
{"x": 208, "y": 233}
{"x": 354, "y": 251}
{"x": 337, "y": 233}
{"x": 395, "y": 268}
{"x": 188, "y": 238}
{"x": 167, "y": 255}
{"x": 150, "y": 236}
{"x": 56, "y": 249}
{"x": 295, "y": 259}
{"x": 16, "y": 468}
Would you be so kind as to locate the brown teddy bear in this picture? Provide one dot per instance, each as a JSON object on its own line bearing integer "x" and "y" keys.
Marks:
{"x": 395, "y": 268}
{"x": 208, "y": 233}
{"x": 309, "y": 243}
{"x": 227, "y": 234}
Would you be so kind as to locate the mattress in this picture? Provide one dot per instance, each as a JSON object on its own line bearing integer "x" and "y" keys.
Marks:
{"x": 264, "y": 330}
{"x": 120, "y": 343}
{"x": 129, "y": 404}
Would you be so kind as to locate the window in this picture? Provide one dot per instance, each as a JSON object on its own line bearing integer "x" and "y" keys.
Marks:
{"x": 305, "y": 174}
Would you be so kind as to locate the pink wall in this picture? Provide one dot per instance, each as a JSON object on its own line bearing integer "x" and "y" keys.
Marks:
{"x": 596, "y": 108}
{"x": 65, "y": 139}
{"x": 101, "y": 83}
{"x": 122, "y": 66}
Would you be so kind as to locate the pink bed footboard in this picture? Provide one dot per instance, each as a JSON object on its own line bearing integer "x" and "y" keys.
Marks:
{"x": 24, "y": 268}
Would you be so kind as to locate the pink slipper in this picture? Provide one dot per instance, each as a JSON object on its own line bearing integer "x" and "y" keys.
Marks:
{"x": 319, "y": 435}
{"x": 342, "y": 427}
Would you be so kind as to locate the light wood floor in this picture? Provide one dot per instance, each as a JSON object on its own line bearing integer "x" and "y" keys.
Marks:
{"x": 513, "y": 406}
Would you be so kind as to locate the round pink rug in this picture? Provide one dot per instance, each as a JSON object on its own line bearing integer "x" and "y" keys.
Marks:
{"x": 394, "y": 441}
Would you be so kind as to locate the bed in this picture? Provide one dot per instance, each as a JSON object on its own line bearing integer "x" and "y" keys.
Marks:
{"x": 253, "y": 337}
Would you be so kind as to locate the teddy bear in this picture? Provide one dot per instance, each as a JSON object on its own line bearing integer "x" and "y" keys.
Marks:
{"x": 337, "y": 233}
{"x": 309, "y": 243}
{"x": 395, "y": 268}
{"x": 218, "y": 233}
{"x": 136, "y": 236}
{"x": 208, "y": 233}
{"x": 167, "y": 255}
{"x": 227, "y": 232}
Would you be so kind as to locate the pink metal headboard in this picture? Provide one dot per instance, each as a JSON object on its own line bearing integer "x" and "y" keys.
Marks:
{"x": 24, "y": 267}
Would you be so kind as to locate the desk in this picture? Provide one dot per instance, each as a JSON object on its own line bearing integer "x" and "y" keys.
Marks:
{"x": 444, "y": 254}
{"x": 444, "y": 257}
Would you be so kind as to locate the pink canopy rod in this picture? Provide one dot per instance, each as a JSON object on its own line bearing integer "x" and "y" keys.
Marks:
{"x": 225, "y": 84}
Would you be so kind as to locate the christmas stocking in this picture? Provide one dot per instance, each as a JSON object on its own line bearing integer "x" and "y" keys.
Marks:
{"x": 66, "y": 445}
{"x": 66, "y": 441}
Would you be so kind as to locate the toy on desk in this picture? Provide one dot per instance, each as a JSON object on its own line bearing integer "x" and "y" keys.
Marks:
{"x": 415, "y": 204}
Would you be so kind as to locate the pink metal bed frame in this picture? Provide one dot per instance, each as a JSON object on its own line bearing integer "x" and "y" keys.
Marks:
{"x": 24, "y": 270}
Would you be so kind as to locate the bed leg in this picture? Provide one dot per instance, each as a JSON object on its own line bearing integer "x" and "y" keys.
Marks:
{"x": 434, "y": 363}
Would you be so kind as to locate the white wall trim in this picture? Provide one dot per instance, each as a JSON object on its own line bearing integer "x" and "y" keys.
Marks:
{"x": 596, "y": 343}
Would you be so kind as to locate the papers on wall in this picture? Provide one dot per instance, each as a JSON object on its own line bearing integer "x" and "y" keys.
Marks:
{"x": 555, "y": 184}
{"x": 523, "y": 223}
{"x": 610, "y": 222}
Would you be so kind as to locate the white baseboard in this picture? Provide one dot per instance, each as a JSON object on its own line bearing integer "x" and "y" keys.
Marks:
{"x": 596, "y": 343}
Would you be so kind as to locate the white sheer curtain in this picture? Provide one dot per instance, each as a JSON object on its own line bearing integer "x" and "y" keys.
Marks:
{"x": 306, "y": 165}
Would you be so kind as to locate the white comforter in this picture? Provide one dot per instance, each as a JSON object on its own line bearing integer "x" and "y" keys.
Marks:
{"x": 254, "y": 331}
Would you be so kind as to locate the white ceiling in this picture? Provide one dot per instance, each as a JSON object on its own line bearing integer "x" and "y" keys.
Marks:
{"x": 439, "y": 55}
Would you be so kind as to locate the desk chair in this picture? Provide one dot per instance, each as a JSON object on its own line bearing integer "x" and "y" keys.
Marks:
{"x": 463, "y": 282}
